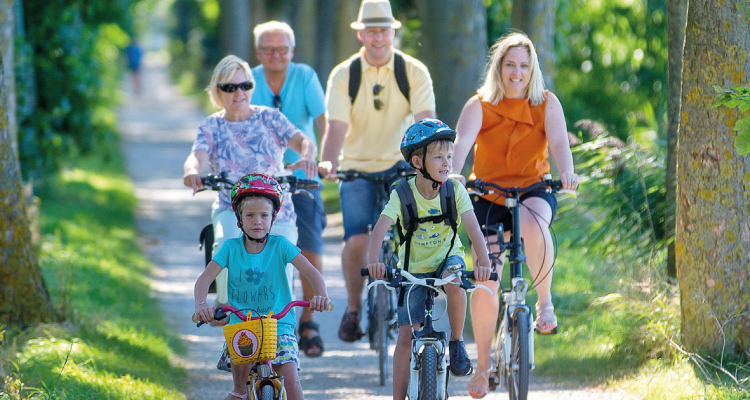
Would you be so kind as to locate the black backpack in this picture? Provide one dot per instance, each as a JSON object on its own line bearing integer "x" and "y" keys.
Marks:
{"x": 355, "y": 76}
{"x": 411, "y": 219}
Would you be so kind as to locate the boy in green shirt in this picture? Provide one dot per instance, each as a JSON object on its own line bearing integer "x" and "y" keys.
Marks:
{"x": 428, "y": 146}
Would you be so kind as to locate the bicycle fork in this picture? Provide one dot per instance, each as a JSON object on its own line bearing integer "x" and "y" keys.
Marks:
{"x": 264, "y": 376}
{"x": 418, "y": 346}
{"x": 513, "y": 300}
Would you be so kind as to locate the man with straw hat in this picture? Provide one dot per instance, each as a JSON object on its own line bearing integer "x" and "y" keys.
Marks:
{"x": 365, "y": 124}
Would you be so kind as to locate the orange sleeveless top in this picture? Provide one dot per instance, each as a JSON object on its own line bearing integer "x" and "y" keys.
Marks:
{"x": 511, "y": 148}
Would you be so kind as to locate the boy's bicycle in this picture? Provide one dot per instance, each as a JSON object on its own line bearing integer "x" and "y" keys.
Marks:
{"x": 263, "y": 383}
{"x": 381, "y": 304}
{"x": 220, "y": 182}
{"x": 429, "y": 369}
{"x": 513, "y": 353}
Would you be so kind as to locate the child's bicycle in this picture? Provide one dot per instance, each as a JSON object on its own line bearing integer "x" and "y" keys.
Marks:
{"x": 513, "y": 352}
{"x": 381, "y": 304}
{"x": 220, "y": 182}
{"x": 254, "y": 342}
{"x": 429, "y": 369}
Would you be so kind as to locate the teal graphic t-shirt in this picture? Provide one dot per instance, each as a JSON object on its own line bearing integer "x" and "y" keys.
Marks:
{"x": 258, "y": 281}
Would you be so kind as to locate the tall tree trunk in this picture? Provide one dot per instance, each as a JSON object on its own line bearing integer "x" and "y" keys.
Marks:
{"x": 536, "y": 18}
{"x": 676, "y": 20}
{"x": 345, "y": 38}
{"x": 235, "y": 34}
{"x": 325, "y": 39}
{"x": 23, "y": 295}
{"x": 454, "y": 50}
{"x": 713, "y": 229}
{"x": 303, "y": 16}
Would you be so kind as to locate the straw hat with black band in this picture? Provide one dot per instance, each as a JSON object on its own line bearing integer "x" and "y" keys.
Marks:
{"x": 375, "y": 14}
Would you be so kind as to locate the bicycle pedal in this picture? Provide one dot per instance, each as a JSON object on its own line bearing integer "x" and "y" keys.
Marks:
{"x": 494, "y": 382}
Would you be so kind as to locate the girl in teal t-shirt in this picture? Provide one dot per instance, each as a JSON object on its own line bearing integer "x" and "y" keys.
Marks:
{"x": 257, "y": 281}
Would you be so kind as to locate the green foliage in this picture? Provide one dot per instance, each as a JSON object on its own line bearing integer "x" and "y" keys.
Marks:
{"x": 737, "y": 97}
{"x": 115, "y": 343}
{"x": 623, "y": 200}
{"x": 612, "y": 62}
{"x": 66, "y": 84}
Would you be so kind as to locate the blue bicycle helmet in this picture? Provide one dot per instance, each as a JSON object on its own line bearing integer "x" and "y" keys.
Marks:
{"x": 424, "y": 132}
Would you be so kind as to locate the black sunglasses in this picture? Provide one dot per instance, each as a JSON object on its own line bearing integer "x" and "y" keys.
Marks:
{"x": 376, "y": 90}
{"x": 277, "y": 101}
{"x": 232, "y": 87}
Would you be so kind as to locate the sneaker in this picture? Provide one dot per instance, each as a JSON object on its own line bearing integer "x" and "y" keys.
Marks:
{"x": 460, "y": 364}
{"x": 349, "y": 330}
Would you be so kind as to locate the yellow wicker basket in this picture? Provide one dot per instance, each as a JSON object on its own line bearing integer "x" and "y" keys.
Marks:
{"x": 251, "y": 341}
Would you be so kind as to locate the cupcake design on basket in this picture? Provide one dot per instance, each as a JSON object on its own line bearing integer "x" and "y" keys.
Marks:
{"x": 245, "y": 343}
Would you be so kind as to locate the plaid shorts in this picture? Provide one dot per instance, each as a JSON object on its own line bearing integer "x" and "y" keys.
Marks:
{"x": 286, "y": 352}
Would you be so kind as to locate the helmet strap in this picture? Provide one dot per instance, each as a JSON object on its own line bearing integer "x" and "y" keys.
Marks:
{"x": 425, "y": 174}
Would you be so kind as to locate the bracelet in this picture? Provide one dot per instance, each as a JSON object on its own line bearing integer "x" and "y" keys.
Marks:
{"x": 202, "y": 302}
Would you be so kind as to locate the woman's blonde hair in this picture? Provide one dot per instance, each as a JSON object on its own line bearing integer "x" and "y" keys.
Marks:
{"x": 273, "y": 26}
{"x": 223, "y": 72}
{"x": 493, "y": 90}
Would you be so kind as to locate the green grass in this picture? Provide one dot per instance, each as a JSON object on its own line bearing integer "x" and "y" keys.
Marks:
{"x": 114, "y": 342}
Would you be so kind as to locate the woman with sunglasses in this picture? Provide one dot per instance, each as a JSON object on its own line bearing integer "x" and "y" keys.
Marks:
{"x": 241, "y": 139}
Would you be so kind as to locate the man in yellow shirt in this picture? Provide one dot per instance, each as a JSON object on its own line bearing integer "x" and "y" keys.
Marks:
{"x": 364, "y": 134}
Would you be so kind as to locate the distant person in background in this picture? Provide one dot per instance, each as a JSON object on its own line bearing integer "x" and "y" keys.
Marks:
{"x": 134, "y": 53}
{"x": 295, "y": 90}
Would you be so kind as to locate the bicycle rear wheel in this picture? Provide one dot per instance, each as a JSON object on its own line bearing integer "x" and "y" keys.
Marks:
{"x": 518, "y": 379}
{"x": 428, "y": 374}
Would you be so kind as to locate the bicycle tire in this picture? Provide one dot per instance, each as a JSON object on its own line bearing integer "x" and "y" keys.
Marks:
{"x": 382, "y": 332}
{"x": 428, "y": 373}
{"x": 518, "y": 379}
{"x": 267, "y": 392}
{"x": 499, "y": 376}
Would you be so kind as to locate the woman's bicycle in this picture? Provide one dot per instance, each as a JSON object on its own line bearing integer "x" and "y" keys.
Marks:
{"x": 381, "y": 304}
{"x": 429, "y": 370}
{"x": 256, "y": 343}
{"x": 513, "y": 352}
{"x": 219, "y": 182}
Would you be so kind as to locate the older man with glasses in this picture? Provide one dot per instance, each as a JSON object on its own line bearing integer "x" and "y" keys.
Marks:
{"x": 296, "y": 91}
{"x": 366, "y": 122}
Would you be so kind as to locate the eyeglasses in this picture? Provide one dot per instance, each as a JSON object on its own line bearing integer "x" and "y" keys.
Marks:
{"x": 277, "y": 101}
{"x": 376, "y": 90}
{"x": 232, "y": 87}
{"x": 270, "y": 50}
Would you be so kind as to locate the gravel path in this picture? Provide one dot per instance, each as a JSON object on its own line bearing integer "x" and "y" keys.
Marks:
{"x": 158, "y": 130}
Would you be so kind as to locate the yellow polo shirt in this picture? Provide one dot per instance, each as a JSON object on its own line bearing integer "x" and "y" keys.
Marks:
{"x": 373, "y": 137}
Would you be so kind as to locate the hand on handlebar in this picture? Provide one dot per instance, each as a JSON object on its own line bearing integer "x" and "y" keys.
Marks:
{"x": 377, "y": 270}
{"x": 569, "y": 181}
{"x": 307, "y": 166}
{"x": 327, "y": 170}
{"x": 482, "y": 273}
{"x": 320, "y": 303}
{"x": 204, "y": 313}
{"x": 459, "y": 178}
{"x": 193, "y": 181}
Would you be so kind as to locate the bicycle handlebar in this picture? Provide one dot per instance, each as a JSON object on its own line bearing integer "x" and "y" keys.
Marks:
{"x": 551, "y": 186}
{"x": 350, "y": 175}
{"x": 295, "y": 185}
{"x": 395, "y": 277}
{"x": 224, "y": 311}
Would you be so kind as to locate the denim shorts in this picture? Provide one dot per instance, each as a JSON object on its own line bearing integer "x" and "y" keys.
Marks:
{"x": 311, "y": 220}
{"x": 489, "y": 213}
{"x": 359, "y": 201}
{"x": 418, "y": 294}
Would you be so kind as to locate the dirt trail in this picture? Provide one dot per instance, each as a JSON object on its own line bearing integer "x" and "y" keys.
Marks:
{"x": 158, "y": 129}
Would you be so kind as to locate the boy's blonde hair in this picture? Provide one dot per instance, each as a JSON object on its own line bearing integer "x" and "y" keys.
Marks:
{"x": 436, "y": 145}
{"x": 493, "y": 90}
{"x": 223, "y": 72}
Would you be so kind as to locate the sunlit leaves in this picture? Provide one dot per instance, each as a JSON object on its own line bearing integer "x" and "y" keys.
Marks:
{"x": 737, "y": 97}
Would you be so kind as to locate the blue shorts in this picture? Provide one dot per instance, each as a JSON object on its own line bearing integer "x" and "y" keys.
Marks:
{"x": 359, "y": 201}
{"x": 311, "y": 220}
{"x": 418, "y": 294}
{"x": 489, "y": 213}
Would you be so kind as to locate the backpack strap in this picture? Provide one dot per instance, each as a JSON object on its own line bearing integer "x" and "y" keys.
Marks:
{"x": 355, "y": 76}
{"x": 399, "y": 67}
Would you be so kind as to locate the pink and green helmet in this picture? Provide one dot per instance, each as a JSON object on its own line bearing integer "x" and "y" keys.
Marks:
{"x": 257, "y": 185}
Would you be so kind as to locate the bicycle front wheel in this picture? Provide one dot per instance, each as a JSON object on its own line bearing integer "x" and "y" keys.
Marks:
{"x": 383, "y": 331}
{"x": 267, "y": 392}
{"x": 428, "y": 373}
{"x": 518, "y": 379}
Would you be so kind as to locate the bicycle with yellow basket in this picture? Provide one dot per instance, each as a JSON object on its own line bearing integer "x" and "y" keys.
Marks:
{"x": 254, "y": 342}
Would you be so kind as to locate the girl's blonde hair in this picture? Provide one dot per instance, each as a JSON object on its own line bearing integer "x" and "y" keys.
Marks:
{"x": 250, "y": 199}
{"x": 493, "y": 90}
{"x": 223, "y": 72}
{"x": 273, "y": 26}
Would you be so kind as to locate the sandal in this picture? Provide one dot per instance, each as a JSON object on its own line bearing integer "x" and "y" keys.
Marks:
{"x": 305, "y": 343}
{"x": 474, "y": 383}
{"x": 237, "y": 395}
{"x": 545, "y": 316}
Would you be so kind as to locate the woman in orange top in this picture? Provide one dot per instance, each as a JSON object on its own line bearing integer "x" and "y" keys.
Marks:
{"x": 511, "y": 122}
